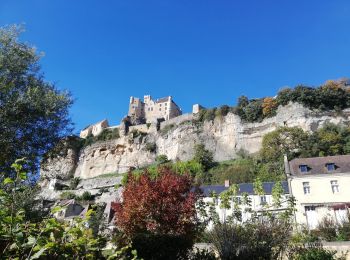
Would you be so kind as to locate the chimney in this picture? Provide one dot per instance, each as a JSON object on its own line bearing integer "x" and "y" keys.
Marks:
{"x": 227, "y": 183}
{"x": 286, "y": 165}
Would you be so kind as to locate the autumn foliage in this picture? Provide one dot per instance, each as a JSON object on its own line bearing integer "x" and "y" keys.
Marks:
{"x": 165, "y": 205}
{"x": 269, "y": 105}
{"x": 159, "y": 215}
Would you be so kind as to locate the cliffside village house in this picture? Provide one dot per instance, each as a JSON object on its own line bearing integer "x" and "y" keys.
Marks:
{"x": 320, "y": 186}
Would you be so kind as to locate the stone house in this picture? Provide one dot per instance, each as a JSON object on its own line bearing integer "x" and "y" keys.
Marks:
{"x": 151, "y": 111}
{"x": 320, "y": 186}
{"x": 259, "y": 203}
{"x": 70, "y": 209}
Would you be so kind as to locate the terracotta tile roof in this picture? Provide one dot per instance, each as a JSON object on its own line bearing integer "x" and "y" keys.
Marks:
{"x": 318, "y": 165}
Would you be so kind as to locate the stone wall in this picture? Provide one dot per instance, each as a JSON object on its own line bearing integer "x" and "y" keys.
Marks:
{"x": 177, "y": 120}
{"x": 141, "y": 128}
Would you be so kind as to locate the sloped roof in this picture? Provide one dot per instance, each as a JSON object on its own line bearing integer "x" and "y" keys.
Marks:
{"x": 243, "y": 188}
{"x": 317, "y": 165}
{"x": 164, "y": 99}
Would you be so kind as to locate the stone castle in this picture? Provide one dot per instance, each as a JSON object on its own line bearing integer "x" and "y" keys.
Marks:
{"x": 151, "y": 111}
{"x": 141, "y": 112}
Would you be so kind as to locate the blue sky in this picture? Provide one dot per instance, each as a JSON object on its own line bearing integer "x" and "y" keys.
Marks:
{"x": 198, "y": 51}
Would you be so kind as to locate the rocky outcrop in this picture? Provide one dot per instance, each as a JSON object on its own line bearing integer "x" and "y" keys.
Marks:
{"x": 62, "y": 165}
{"x": 224, "y": 137}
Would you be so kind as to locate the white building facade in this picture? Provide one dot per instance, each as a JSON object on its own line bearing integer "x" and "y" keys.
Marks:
{"x": 321, "y": 187}
{"x": 259, "y": 204}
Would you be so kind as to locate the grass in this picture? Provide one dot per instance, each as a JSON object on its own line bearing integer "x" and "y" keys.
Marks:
{"x": 108, "y": 175}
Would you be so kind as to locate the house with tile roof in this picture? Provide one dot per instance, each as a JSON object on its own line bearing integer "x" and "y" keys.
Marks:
{"x": 321, "y": 187}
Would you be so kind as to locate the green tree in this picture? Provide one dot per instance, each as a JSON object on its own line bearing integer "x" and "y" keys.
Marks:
{"x": 284, "y": 140}
{"x": 238, "y": 171}
{"x": 203, "y": 156}
{"x": 33, "y": 112}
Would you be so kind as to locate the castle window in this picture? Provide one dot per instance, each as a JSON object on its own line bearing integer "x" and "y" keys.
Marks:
{"x": 303, "y": 168}
{"x": 160, "y": 109}
{"x": 330, "y": 166}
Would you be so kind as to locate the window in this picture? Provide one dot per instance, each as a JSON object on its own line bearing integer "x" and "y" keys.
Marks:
{"x": 303, "y": 168}
{"x": 262, "y": 200}
{"x": 238, "y": 200}
{"x": 160, "y": 109}
{"x": 330, "y": 166}
{"x": 335, "y": 186}
{"x": 306, "y": 187}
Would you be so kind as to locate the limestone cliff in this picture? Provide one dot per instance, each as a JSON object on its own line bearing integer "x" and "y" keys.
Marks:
{"x": 176, "y": 138}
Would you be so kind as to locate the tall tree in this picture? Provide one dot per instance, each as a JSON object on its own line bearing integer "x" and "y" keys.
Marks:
{"x": 159, "y": 216}
{"x": 33, "y": 112}
{"x": 284, "y": 140}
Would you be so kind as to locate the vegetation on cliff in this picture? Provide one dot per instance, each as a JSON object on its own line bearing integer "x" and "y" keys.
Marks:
{"x": 267, "y": 165}
{"x": 333, "y": 95}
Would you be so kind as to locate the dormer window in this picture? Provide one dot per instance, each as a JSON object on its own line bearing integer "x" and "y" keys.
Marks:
{"x": 303, "y": 168}
{"x": 330, "y": 167}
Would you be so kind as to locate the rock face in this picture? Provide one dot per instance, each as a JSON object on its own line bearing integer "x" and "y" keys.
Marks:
{"x": 60, "y": 167}
{"x": 224, "y": 137}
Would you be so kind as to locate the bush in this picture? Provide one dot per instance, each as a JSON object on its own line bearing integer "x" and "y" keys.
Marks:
{"x": 162, "y": 246}
{"x": 203, "y": 156}
{"x": 193, "y": 168}
{"x": 151, "y": 147}
{"x": 86, "y": 196}
{"x": 68, "y": 195}
{"x": 166, "y": 129}
{"x": 105, "y": 135}
{"x": 252, "y": 240}
{"x": 103, "y": 190}
{"x": 312, "y": 253}
{"x": 161, "y": 159}
{"x": 344, "y": 230}
{"x": 74, "y": 183}
{"x": 222, "y": 111}
{"x": 108, "y": 134}
{"x": 327, "y": 229}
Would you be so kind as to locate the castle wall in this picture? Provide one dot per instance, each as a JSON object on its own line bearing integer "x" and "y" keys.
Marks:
{"x": 141, "y": 128}
{"x": 177, "y": 120}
